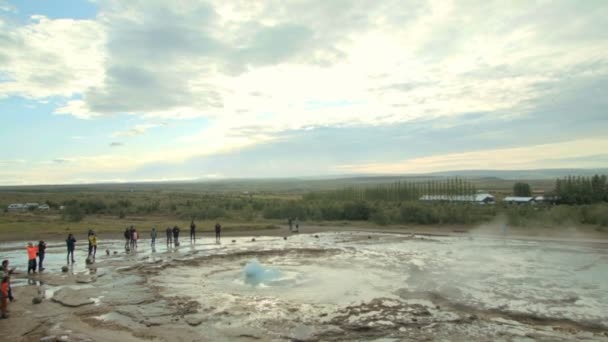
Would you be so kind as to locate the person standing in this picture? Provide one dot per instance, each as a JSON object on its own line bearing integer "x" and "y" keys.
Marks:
{"x": 90, "y": 233}
{"x": 135, "y": 238}
{"x": 153, "y": 237}
{"x": 192, "y": 232}
{"x": 132, "y": 237}
{"x": 93, "y": 245}
{"x": 4, "y": 295}
{"x": 290, "y": 222}
{"x": 169, "y": 235}
{"x": 218, "y": 231}
{"x": 7, "y": 271}
{"x": 71, "y": 244}
{"x": 176, "y": 236}
{"x": 297, "y": 222}
{"x": 41, "y": 252}
{"x": 32, "y": 254}
{"x": 127, "y": 235}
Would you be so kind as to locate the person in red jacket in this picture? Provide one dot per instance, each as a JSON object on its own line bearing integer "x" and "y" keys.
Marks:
{"x": 4, "y": 286}
{"x": 32, "y": 254}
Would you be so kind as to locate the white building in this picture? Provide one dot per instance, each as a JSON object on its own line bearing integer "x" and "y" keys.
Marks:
{"x": 17, "y": 207}
{"x": 519, "y": 200}
{"x": 483, "y": 198}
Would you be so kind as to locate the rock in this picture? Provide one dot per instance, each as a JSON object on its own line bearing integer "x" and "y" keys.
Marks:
{"x": 369, "y": 236}
{"x": 252, "y": 239}
{"x": 107, "y": 252}
{"x": 233, "y": 241}
{"x": 89, "y": 260}
{"x": 115, "y": 252}
{"x": 303, "y": 333}
{"x": 72, "y": 298}
{"x": 317, "y": 236}
{"x": 284, "y": 237}
{"x": 36, "y": 300}
{"x": 85, "y": 279}
{"x": 194, "y": 320}
{"x": 64, "y": 269}
{"x": 51, "y": 338}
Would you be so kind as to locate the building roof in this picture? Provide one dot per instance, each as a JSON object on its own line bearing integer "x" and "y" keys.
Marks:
{"x": 457, "y": 198}
{"x": 519, "y": 199}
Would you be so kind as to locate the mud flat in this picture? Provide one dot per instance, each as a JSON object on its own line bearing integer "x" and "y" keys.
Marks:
{"x": 319, "y": 287}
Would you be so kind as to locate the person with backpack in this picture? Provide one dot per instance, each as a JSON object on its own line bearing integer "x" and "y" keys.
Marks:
{"x": 71, "y": 244}
{"x": 41, "y": 253}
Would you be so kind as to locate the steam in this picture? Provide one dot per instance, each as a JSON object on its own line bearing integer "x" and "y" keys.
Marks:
{"x": 256, "y": 274}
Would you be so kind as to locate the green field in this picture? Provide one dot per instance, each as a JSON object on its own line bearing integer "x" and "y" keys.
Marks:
{"x": 262, "y": 204}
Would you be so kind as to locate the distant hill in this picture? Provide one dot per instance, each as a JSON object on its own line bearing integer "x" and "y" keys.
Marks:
{"x": 490, "y": 180}
{"x": 522, "y": 174}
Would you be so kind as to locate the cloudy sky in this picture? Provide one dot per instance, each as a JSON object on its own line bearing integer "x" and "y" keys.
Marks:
{"x": 95, "y": 91}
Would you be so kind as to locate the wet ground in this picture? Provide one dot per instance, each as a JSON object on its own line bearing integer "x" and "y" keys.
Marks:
{"x": 329, "y": 286}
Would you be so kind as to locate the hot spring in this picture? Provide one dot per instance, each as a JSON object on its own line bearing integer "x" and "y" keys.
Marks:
{"x": 349, "y": 286}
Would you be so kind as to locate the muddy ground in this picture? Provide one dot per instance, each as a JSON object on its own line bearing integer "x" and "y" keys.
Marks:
{"x": 328, "y": 286}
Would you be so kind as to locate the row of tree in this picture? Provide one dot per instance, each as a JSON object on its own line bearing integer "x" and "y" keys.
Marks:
{"x": 581, "y": 190}
{"x": 398, "y": 192}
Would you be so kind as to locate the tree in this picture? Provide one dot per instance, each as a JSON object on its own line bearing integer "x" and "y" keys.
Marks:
{"x": 522, "y": 189}
{"x": 73, "y": 213}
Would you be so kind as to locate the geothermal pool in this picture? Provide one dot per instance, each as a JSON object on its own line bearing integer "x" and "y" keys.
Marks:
{"x": 360, "y": 286}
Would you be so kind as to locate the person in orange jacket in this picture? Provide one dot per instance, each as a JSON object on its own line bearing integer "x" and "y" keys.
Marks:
{"x": 4, "y": 286}
{"x": 32, "y": 254}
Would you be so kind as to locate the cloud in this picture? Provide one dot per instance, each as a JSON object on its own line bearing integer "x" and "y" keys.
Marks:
{"x": 50, "y": 57}
{"x": 588, "y": 153}
{"x": 137, "y": 130}
{"x": 267, "y": 72}
{"x": 60, "y": 161}
{"x": 397, "y": 62}
{"x": 116, "y": 144}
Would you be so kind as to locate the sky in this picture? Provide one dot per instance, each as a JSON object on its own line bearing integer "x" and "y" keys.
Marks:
{"x": 151, "y": 90}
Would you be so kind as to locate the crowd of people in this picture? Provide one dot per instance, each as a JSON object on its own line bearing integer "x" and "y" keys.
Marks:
{"x": 36, "y": 254}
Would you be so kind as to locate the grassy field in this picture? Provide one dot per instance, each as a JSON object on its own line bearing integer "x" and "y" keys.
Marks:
{"x": 30, "y": 226}
{"x": 256, "y": 205}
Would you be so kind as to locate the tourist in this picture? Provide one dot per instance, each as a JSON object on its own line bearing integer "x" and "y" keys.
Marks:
{"x": 192, "y": 232}
{"x": 6, "y": 271}
{"x": 90, "y": 233}
{"x": 127, "y": 235}
{"x": 290, "y": 222}
{"x": 153, "y": 237}
{"x": 93, "y": 245}
{"x": 297, "y": 222}
{"x": 41, "y": 252}
{"x": 132, "y": 236}
{"x": 32, "y": 254}
{"x": 176, "y": 236}
{"x": 135, "y": 237}
{"x": 71, "y": 244}
{"x": 4, "y": 296}
{"x": 169, "y": 235}
{"x": 218, "y": 230}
